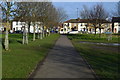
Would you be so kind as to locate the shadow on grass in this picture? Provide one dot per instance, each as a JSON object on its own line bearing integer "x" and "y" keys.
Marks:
{"x": 104, "y": 62}
{"x": 19, "y": 41}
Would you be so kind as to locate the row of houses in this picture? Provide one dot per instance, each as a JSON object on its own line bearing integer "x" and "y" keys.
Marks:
{"x": 89, "y": 25}
{"x": 80, "y": 25}
{"x": 19, "y": 26}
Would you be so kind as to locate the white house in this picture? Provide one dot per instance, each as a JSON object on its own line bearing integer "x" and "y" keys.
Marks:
{"x": 17, "y": 25}
{"x": 85, "y": 25}
{"x": 116, "y": 24}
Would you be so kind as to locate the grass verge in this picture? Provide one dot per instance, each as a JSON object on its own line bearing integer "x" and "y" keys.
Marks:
{"x": 21, "y": 59}
{"x": 103, "y": 59}
{"x": 95, "y": 38}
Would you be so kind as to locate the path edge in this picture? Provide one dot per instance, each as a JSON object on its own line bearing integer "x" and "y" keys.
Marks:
{"x": 90, "y": 67}
{"x": 40, "y": 63}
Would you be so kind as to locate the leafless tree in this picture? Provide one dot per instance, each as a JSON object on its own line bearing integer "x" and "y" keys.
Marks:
{"x": 116, "y": 13}
{"x": 97, "y": 14}
{"x": 7, "y": 15}
{"x": 118, "y": 8}
{"x": 61, "y": 15}
{"x": 23, "y": 15}
{"x": 43, "y": 12}
{"x": 85, "y": 13}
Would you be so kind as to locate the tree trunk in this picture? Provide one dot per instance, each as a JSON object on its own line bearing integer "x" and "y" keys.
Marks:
{"x": 43, "y": 33}
{"x": 6, "y": 40}
{"x": 23, "y": 41}
{"x": 100, "y": 33}
{"x": 48, "y": 33}
{"x": 28, "y": 27}
{"x": 34, "y": 34}
{"x": 38, "y": 34}
{"x": 95, "y": 30}
{"x": 26, "y": 41}
{"x": 25, "y": 36}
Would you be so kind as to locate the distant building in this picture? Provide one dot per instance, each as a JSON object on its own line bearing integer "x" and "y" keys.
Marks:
{"x": 86, "y": 25}
{"x": 18, "y": 25}
{"x": 116, "y": 24}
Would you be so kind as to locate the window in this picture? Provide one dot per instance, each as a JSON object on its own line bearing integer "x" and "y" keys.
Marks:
{"x": 16, "y": 23}
{"x": 81, "y": 24}
{"x": 61, "y": 29}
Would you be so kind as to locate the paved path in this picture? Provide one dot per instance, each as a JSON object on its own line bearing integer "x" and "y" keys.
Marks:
{"x": 63, "y": 62}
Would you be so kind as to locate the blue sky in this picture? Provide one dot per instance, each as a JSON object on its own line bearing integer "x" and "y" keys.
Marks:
{"x": 71, "y": 7}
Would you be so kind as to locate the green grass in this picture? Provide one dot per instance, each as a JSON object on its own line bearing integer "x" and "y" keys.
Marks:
{"x": 0, "y": 35}
{"x": 94, "y": 38}
{"x": 103, "y": 59}
{"x": 21, "y": 59}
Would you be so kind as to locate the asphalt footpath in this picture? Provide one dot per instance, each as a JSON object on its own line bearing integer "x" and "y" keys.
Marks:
{"x": 63, "y": 61}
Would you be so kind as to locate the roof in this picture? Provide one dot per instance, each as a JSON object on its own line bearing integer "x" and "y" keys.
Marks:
{"x": 86, "y": 21}
{"x": 116, "y": 19}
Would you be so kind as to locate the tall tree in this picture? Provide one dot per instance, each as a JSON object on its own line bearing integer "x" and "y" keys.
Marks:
{"x": 100, "y": 14}
{"x": 85, "y": 13}
{"x": 61, "y": 15}
{"x": 97, "y": 14}
{"x": 24, "y": 15}
{"x": 8, "y": 11}
{"x": 117, "y": 10}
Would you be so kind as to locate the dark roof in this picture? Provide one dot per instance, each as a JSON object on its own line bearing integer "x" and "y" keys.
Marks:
{"x": 116, "y": 19}
{"x": 86, "y": 21}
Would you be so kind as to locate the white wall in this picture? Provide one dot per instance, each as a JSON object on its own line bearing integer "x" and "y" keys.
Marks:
{"x": 19, "y": 26}
{"x": 81, "y": 26}
{"x": 117, "y": 27}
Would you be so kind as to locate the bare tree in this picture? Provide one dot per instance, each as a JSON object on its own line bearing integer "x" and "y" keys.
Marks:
{"x": 43, "y": 12}
{"x": 23, "y": 15}
{"x": 100, "y": 15}
{"x": 85, "y": 13}
{"x": 117, "y": 10}
{"x": 8, "y": 13}
{"x": 61, "y": 15}
{"x": 96, "y": 15}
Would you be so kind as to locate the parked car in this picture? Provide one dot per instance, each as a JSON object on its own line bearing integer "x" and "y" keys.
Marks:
{"x": 73, "y": 32}
{"x": 18, "y": 31}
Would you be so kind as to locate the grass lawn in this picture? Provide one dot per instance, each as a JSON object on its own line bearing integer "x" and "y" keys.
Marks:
{"x": 95, "y": 38}
{"x": 103, "y": 59}
{"x": 21, "y": 59}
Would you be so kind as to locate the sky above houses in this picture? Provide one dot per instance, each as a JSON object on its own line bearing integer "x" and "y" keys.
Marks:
{"x": 71, "y": 7}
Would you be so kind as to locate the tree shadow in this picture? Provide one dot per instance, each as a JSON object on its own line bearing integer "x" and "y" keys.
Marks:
{"x": 19, "y": 41}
